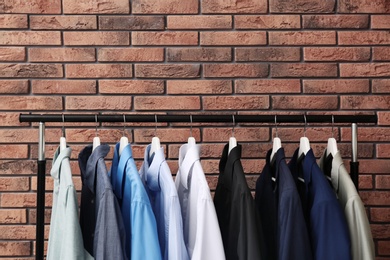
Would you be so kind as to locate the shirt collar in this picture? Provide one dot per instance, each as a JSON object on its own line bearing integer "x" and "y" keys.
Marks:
{"x": 188, "y": 155}
{"x": 58, "y": 157}
{"x": 121, "y": 171}
{"x": 226, "y": 165}
{"x": 118, "y": 168}
{"x": 228, "y": 159}
{"x": 153, "y": 172}
{"x": 278, "y": 157}
{"x": 307, "y": 165}
{"x": 88, "y": 162}
{"x": 336, "y": 164}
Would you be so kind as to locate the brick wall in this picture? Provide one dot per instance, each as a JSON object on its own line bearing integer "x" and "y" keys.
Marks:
{"x": 192, "y": 56}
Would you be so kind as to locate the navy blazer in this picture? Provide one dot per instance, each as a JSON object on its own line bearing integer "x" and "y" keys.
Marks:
{"x": 285, "y": 232}
{"x": 327, "y": 225}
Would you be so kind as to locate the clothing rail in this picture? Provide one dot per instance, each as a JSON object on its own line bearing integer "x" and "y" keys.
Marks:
{"x": 198, "y": 118}
{"x": 42, "y": 118}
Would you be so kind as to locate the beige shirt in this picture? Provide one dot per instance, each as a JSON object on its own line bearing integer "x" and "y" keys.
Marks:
{"x": 358, "y": 225}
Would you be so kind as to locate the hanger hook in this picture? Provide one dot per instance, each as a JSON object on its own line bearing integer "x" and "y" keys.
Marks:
{"x": 155, "y": 127}
{"x": 96, "y": 126}
{"x": 304, "y": 131}
{"x": 234, "y": 124}
{"x": 124, "y": 125}
{"x": 63, "y": 125}
{"x": 276, "y": 127}
{"x": 191, "y": 125}
{"x": 332, "y": 126}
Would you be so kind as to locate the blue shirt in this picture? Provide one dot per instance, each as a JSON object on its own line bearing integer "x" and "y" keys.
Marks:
{"x": 159, "y": 184}
{"x": 284, "y": 226}
{"x": 100, "y": 216}
{"x": 138, "y": 217}
{"x": 327, "y": 227}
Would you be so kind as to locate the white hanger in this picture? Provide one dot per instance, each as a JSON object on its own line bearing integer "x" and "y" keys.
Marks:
{"x": 63, "y": 138}
{"x": 155, "y": 141}
{"x": 124, "y": 140}
{"x": 191, "y": 140}
{"x": 304, "y": 143}
{"x": 96, "y": 139}
{"x": 232, "y": 139}
{"x": 277, "y": 143}
{"x": 62, "y": 143}
{"x": 332, "y": 143}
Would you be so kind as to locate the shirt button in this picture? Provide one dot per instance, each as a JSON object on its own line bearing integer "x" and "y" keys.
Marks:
{"x": 92, "y": 201}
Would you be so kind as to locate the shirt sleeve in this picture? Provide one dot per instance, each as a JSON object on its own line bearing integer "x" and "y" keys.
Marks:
{"x": 329, "y": 232}
{"x": 208, "y": 244}
{"x": 73, "y": 246}
{"x": 359, "y": 229}
{"x": 293, "y": 237}
{"x": 249, "y": 234}
{"x": 144, "y": 238}
{"x": 176, "y": 246}
{"x": 109, "y": 241}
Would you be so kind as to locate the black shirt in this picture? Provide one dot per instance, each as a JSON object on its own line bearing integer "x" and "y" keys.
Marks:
{"x": 236, "y": 210}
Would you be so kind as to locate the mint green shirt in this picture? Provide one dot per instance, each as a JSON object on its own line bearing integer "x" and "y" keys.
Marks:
{"x": 65, "y": 238}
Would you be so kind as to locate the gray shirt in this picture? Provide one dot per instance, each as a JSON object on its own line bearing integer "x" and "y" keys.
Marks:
{"x": 100, "y": 216}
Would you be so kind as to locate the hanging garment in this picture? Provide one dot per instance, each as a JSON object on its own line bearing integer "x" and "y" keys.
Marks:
{"x": 162, "y": 192}
{"x": 65, "y": 238}
{"x": 359, "y": 227}
{"x": 100, "y": 216}
{"x": 202, "y": 235}
{"x": 326, "y": 222}
{"x": 285, "y": 232}
{"x": 236, "y": 210}
{"x": 138, "y": 217}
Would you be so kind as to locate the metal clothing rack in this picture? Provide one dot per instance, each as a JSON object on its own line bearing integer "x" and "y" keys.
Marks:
{"x": 43, "y": 118}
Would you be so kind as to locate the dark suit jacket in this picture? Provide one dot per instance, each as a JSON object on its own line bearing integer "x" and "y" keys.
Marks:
{"x": 236, "y": 211}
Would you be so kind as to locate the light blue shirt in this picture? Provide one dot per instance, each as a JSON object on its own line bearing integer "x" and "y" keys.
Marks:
{"x": 65, "y": 238}
{"x": 159, "y": 184}
{"x": 138, "y": 217}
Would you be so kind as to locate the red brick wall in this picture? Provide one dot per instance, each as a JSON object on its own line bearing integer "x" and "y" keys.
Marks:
{"x": 249, "y": 56}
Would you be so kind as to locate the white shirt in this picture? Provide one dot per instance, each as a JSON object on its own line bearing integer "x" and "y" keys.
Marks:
{"x": 65, "y": 238}
{"x": 202, "y": 234}
{"x": 159, "y": 185}
{"x": 362, "y": 244}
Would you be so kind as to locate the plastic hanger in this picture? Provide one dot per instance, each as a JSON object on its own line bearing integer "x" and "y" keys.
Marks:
{"x": 63, "y": 138}
{"x": 155, "y": 140}
{"x": 191, "y": 139}
{"x": 124, "y": 140}
{"x": 232, "y": 139}
{"x": 304, "y": 143}
{"x": 332, "y": 143}
{"x": 96, "y": 139}
{"x": 277, "y": 143}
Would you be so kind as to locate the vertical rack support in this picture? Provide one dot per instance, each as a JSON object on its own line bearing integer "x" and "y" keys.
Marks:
{"x": 40, "y": 215}
{"x": 354, "y": 160}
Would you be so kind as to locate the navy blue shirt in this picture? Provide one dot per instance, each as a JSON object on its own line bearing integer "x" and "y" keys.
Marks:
{"x": 100, "y": 216}
{"x": 326, "y": 221}
{"x": 285, "y": 233}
